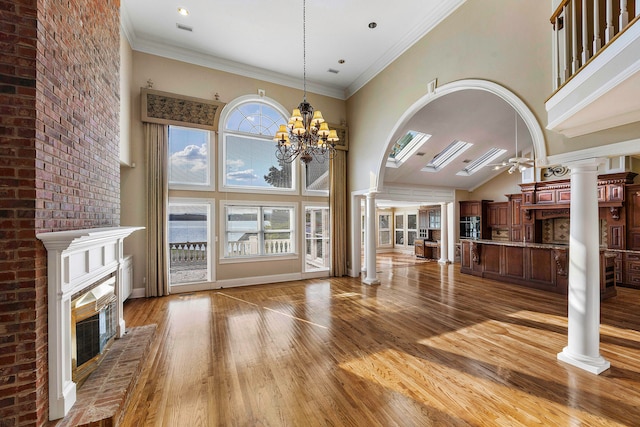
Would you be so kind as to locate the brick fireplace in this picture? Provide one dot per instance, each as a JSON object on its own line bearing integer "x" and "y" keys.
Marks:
{"x": 59, "y": 151}
{"x": 77, "y": 259}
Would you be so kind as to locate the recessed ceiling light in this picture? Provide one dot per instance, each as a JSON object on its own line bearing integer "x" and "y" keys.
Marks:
{"x": 372, "y": 25}
{"x": 182, "y": 11}
{"x": 341, "y": 61}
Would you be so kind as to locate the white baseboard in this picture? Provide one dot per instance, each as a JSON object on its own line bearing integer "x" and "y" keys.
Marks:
{"x": 258, "y": 280}
{"x": 138, "y": 293}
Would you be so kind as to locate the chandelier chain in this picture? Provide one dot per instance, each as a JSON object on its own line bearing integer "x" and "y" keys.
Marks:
{"x": 307, "y": 134}
{"x": 304, "y": 49}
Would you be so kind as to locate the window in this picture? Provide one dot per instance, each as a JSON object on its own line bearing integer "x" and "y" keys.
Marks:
{"x": 256, "y": 231}
{"x": 189, "y": 229}
{"x": 412, "y": 229}
{"x": 406, "y": 229}
{"x": 316, "y": 238}
{"x": 399, "y": 225}
{"x": 384, "y": 230}
{"x": 249, "y": 161}
{"x": 405, "y": 147}
{"x": 316, "y": 177}
{"x": 189, "y": 158}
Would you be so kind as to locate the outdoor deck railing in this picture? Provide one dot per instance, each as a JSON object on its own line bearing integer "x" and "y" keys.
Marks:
{"x": 188, "y": 253}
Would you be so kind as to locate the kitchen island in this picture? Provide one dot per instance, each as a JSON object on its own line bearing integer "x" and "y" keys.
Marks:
{"x": 535, "y": 265}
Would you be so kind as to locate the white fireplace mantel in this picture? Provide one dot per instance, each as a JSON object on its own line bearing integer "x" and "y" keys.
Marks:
{"x": 76, "y": 259}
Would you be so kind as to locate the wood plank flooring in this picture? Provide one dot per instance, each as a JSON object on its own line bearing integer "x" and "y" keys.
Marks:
{"x": 428, "y": 346}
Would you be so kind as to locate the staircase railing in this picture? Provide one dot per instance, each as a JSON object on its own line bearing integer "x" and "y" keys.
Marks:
{"x": 583, "y": 28}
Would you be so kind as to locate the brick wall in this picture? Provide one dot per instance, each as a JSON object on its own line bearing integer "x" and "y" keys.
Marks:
{"x": 59, "y": 168}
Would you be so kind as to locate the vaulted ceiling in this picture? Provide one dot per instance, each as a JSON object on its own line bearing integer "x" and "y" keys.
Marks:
{"x": 263, "y": 39}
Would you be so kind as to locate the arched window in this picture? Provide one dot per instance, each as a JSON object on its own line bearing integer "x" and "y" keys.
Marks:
{"x": 249, "y": 163}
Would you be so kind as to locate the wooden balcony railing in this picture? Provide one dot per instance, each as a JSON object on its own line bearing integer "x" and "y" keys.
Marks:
{"x": 582, "y": 28}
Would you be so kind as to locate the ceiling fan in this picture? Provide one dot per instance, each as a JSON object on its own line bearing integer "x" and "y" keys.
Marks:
{"x": 517, "y": 163}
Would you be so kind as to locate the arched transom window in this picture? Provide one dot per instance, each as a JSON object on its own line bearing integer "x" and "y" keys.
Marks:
{"x": 249, "y": 149}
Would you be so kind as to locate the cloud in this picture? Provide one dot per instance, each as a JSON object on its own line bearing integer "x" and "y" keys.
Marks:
{"x": 245, "y": 175}
{"x": 192, "y": 158}
{"x": 235, "y": 164}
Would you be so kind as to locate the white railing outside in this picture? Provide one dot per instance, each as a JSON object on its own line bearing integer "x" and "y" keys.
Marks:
{"x": 582, "y": 28}
{"x": 188, "y": 253}
{"x": 250, "y": 247}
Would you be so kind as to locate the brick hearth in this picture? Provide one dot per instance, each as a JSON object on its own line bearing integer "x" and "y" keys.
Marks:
{"x": 103, "y": 398}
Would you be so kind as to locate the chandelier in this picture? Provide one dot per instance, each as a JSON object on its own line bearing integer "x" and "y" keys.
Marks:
{"x": 307, "y": 134}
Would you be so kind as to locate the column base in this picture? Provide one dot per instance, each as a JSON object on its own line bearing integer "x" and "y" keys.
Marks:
{"x": 444, "y": 261}
{"x": 595, "y": 365}
{"x": 368, "y": 281}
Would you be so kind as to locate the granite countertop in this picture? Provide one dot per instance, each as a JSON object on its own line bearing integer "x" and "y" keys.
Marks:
{"x": 518, "y": 244}
{"x": 539, "y": 245}
{"x": 427, "y": 242}
{"x": 622, "y": 251}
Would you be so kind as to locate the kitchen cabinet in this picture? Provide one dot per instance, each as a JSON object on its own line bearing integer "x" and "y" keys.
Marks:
{"x": 498, "y": 215}
{"x": 473, "y": 219}
{"x": 632, "y": 269}
{"x": 633, "y": 217}
{"x": 515, "y": 213}
{"x": 427, "y": 249}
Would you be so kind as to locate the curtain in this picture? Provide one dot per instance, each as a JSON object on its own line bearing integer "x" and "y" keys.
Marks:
{"x": 156, "y": 141}
{"x": 338, "y": 212}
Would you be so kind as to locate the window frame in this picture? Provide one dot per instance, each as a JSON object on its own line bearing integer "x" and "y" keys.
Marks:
{"x": 389, "y": 229}
{"x": 222, "y": 148}
{"x": 399, "y": 227}
{"x": 304, "y": 184}
{"x": 211, "y": 169}
{"x": 311, "y": 205}
{"x": 224, "y": 258}
{"x": 211, "y": 243}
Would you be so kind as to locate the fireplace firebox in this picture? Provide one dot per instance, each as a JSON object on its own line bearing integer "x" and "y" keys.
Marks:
{"x": 93, "y": 327}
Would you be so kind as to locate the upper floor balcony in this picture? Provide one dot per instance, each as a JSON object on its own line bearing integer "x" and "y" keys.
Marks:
{"x": 596, "y": 66}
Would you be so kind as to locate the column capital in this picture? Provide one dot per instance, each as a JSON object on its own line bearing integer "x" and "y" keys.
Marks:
{"x": 585, "y": 165}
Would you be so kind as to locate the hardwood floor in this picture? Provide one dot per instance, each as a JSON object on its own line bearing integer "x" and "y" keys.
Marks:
{"x": 428, "y": 346}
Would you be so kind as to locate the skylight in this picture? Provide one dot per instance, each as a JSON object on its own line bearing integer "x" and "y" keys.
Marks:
{"x": 482, "y": 161}
{"x": 446, "y": 156}
{"x": 405, "y": 147}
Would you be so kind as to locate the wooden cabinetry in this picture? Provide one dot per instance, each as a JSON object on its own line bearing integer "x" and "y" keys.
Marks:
{"x": 473, "y": 207}
{"x": 633, "y": 217}
{"x": 632, "y": 269}
{"x": 473, "y": 219}
{"x": 607, "y": 275}
{"x": 427, "y": 249}
{"x": 498, "y": 215}
{"x": 423, "y": 223}
{"x": 533, "y": 265}
{"x": 540, "y": 266}
{"x": 515, "y": 215}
